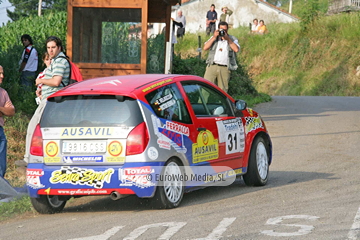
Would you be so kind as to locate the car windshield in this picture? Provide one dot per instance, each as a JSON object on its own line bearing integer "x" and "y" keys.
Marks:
{"x": 89, "y": 111}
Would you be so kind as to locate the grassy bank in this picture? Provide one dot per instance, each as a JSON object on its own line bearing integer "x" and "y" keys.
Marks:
{"x": 320, "y": 61}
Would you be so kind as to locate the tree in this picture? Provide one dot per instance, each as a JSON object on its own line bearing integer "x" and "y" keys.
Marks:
{"x": 26, "y": 8}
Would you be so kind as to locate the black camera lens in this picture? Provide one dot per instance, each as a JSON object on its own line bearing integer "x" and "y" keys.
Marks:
{"x": 221, "y": 32}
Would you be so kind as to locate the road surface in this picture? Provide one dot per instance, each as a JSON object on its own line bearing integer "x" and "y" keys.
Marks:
{"x": 313, "y": 190}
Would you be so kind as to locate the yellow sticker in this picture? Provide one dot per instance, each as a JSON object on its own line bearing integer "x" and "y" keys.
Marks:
{"x": 52, "y": 159}
{"x": 115, "y": 148}
{"x": 51, "y": 149}
{"x": 206, "y": 147}
{"x": 115, "y": 159}
{"x": 156, "y": 85}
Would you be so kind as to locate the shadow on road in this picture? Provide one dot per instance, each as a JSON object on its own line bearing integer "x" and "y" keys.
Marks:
{"x": 294, "y": 108}
{"x": 209, "y": 194}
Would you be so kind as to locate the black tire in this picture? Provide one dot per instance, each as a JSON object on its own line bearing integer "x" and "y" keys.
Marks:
{"x": 258, "y": 167}
{"x": 169, "y": 192}
{"x": 46, "y": 204}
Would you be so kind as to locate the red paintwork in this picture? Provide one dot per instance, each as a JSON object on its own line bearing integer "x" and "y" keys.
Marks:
{"x": 137, "y": 86}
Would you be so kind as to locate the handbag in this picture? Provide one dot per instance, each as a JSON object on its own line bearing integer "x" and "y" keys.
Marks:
{"x": 180, "y": 32}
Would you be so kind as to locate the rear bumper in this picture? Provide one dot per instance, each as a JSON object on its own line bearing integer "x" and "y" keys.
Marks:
{"x": 83, "y": 180}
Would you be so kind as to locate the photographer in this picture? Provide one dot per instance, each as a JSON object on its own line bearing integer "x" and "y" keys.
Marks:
{"x": 222, "y": 56}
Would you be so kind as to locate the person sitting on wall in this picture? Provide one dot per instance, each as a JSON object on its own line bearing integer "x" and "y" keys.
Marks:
{"x": 262, "y": 28}
{"x": 254, "y": 26}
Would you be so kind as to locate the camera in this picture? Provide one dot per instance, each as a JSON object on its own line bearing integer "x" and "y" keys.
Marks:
{"x": 221, "y": 32}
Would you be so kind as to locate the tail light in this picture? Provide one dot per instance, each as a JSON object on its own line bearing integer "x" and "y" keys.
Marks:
{"x": 137, "y": 140}
{"x": 36, "y": 146}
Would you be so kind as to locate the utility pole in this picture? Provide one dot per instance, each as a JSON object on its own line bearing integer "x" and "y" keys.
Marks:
{"x": 39, "y": 8}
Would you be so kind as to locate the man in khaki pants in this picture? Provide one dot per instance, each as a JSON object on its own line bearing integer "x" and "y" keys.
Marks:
{"x": 222, "y": 56}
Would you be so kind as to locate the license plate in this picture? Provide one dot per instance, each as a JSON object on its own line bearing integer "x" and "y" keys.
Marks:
{"x": 84, "y": 146}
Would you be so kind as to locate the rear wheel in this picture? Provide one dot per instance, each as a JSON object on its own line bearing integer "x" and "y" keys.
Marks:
{"x": 258, "y": 166}
{"x": 47, "y": 204}
{"x": 170, "y": 189}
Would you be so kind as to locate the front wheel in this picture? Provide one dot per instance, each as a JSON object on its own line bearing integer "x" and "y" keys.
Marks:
{"x": 47, "y": 204}
{"x": 170, "y": 189}
{"x": 258, "y": 166}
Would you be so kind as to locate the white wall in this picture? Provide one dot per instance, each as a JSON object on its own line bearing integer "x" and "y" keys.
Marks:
{"x": 244, "y": 11}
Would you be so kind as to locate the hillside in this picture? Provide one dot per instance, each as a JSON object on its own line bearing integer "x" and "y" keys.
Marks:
{"x": 319, "y": 58}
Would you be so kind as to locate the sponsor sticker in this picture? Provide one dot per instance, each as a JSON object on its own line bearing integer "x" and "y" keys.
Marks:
{"x": 137, "y": 176}
{"x": 33, "y": 178}
{"x": 153, "y": 153}
{"x": 206, "y": 147}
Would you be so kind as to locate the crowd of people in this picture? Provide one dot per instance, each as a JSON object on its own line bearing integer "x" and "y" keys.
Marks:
{"x": 54, "y": 77}
{"x": 258, "y": 27}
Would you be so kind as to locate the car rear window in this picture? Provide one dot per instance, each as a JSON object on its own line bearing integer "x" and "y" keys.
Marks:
{"x": 88, "y": 111}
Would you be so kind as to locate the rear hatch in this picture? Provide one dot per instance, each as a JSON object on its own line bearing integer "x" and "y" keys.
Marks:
{"x": 88, "y": 130}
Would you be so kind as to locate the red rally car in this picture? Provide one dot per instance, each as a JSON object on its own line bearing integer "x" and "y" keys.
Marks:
{"x": 143, "y": 135}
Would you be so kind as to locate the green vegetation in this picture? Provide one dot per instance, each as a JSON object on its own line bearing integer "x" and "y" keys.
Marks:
{"x": 26, "y": 8}
{"x": 15, "y": 208}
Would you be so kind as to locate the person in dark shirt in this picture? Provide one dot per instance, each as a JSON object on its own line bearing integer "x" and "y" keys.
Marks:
{"x": 211, "y": 18}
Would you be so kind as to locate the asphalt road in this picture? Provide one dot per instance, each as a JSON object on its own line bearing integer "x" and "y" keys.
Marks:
{"x": 313, "y": 190}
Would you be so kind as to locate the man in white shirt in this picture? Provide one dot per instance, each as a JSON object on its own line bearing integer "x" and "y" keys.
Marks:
{"x": 28, "y": 62}
{"x": 254, "y": 26}
{"x": 222, "y": 56}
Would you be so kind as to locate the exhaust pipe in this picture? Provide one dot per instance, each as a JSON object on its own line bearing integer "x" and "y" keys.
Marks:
{"x": 115, "y": 195}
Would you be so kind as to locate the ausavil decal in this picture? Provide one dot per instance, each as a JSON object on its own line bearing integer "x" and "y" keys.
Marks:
{"x": 33, "y": 178}
{"x": 232, "y": 132}
{"x": 253, "y": 123}
{"x": 170, "y": 134}
{"x": 81, "y": 176}
{"x": 206, "y": 147}
{"x": 86, "y": 132}
{"x": 71, "y": 159}
{"x": 156, "y": 85}
{"x": 137, "y": 176}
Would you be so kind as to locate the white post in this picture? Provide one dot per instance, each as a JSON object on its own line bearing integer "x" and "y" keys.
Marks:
{"x": 39, "y": 8}
{"x": 290, "y": 6}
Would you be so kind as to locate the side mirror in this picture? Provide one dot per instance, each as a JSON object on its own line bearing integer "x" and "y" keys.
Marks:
{"x": 240, "y": 105}
{"x": 218, "y": 111}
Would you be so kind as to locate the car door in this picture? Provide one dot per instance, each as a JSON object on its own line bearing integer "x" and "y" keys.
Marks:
{"x": 172, "y": 124}
{"x": 221, "y": 137}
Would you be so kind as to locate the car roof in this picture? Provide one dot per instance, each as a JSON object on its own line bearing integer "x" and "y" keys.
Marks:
{"x": 115, "y": 85}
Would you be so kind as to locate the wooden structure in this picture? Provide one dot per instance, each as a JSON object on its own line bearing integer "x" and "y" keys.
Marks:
{"x": 109, "y": 37}
{"x": 337, "y": 6}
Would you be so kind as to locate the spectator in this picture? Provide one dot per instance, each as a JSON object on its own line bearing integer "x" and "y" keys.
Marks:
{"x": 262, "y": 28}
{"x": 56, "y": 77}
{"x": 47, "y": 61}
{"x": 6, "y": 109}
{"x": 254, "y": 26}
{"x": 180, "y": 32}
{"x": 224, "y": 17}
{"x": 28, "y": 62}
{"x": 211, "y": 18}
{"x": 222, "y": 56}
{"x": 174, "y": 25}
